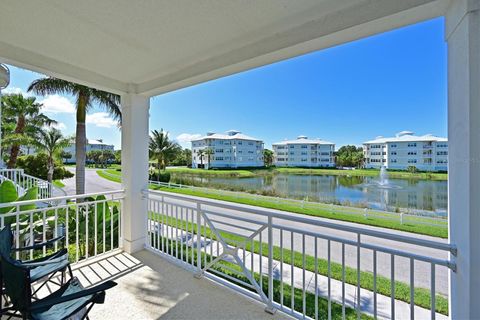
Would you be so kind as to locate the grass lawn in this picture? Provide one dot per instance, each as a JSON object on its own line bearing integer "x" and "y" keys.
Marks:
{"x": 422, "y": 296}
{"x": 58, "y": 183}
{"x": 435, "y": 231}
{"x": 220, "y": 173}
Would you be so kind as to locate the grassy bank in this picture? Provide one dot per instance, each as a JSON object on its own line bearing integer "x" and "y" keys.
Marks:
{"x": 219, "y": 173}
{"x": 364, "y": 172}
{"x": 429, "y": 230}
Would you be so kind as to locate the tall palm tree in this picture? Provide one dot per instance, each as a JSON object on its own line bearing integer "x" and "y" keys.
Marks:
{"x": 86, "y": 97}
{"x": 21, "y": 120}
{"x": 162, "y": 149}
{"x": 52, "y": 143}
{"x": 209, "y": 152}
{"x": 201, "y": 154}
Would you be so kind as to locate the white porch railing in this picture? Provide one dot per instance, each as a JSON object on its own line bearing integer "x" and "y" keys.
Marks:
{"x": 304, "y": 266}
{"x": 91, "y": 223}
{"x": 24, "y": 181}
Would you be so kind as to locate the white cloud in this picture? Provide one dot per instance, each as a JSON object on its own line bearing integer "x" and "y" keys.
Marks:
{"x": 101, "y": 119}
{"x": 59, "y": 126}
{"x": 184, "y": 139}
{"x": 15, "y": 90}
{"x": 57, "y": 104}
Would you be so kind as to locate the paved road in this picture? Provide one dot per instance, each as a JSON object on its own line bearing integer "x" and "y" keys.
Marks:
{"x": 93, "y": 183}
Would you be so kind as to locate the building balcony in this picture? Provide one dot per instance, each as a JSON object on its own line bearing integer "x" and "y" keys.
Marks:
{"x": 199, "y": 255}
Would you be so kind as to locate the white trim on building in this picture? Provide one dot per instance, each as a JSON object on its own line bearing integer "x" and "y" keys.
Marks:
{"x": 304, "y": 152}
{"x": 426, "y": 153}
{"x": 230, "y": 150}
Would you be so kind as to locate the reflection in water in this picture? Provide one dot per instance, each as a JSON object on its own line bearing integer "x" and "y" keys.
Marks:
{"x": 415, "y": 195}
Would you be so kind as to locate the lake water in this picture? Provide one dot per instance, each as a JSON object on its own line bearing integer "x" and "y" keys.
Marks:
{"x": 408, "y": 195}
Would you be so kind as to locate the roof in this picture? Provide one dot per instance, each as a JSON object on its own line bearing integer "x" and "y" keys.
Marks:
{"x": 230, "y": 135}
{"x": 407, "y": 136}
{"x": 152, "y": 47}
{"x": 303, "y": 140}
{"x": 98, "y": 142}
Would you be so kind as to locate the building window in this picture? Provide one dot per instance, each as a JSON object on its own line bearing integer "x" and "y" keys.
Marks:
{"x": 442, "y": 153}
{"x": 412, "y": 145}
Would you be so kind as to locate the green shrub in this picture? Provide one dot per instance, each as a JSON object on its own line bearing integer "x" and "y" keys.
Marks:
{"x": 164, "y": 176}
{"x": 36, "y": 165}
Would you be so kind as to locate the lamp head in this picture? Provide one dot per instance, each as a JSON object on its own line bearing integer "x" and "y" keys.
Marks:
{"x": 4, "y": 76}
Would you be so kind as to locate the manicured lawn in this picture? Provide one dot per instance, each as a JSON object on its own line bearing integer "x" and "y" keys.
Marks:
{"x": 108, "y": 176}
{"x": 220, "y": 173}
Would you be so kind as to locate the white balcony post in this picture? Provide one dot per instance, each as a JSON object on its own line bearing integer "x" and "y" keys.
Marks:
{"x": 462, "y": 33}
{"x": 135, "y": 114}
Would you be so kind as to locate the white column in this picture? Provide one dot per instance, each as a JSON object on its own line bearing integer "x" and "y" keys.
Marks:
{"x": 463, "y": 36}
{"x": 135, "y": 138}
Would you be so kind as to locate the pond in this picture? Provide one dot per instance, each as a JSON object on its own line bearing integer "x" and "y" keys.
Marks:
{"x": 419, "y": 196}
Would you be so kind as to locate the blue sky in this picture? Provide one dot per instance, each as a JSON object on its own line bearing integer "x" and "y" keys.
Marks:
{"x": 346, "y": 94}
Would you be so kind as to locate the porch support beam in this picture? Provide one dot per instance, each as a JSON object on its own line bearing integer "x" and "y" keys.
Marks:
{"x": 463, "y": 37}
{"x": 135, "y": 114}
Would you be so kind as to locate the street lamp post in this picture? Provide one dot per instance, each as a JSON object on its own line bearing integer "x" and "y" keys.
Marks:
{"x": 4, "y": 81}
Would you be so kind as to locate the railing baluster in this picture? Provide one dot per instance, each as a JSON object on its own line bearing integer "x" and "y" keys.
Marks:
{"x": 32, "y": 235}
{"x": 358, "y": 277}
{"x": 343, "y": 280}
{"x": 176, "y": 232}
{"x": 329, "y": 280}
{"x": 44, "y": 231}
{"x": 260, "y": 260}
{"x": 281, "y": 268}
{"x": 87, "y": 213}
{"x": 392, "y": 269}
{"x": 316, "y": 277}
{"x": 304, "y": 301}
{"x": 56, "y": 228}
{"x": 292, "y": 273}
{"x": 77, "y": 247}
{"x": 181, "y": 235}
{"x": 412, "y": 289}
{"x": 199, "y": 239}
{"x": 432, "y": 291}
{"x": 111, "y": 225}
{"x": 375, "y": 284}
{"x": 270, "y": 262}
{"x": 104, "y": 222}
{"x": 95, "y": 226}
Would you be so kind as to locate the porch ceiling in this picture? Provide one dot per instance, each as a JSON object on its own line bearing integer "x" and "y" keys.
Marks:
{"x": 151, "y": 46}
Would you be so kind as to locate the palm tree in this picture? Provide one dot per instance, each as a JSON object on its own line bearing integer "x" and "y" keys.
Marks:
{"x": 201, "y": 154}
{"x": 21, "y": 121}
{"x": 209, "y": 152}
{"x": 52, "y": 143}
{"x": 86, "y": 97}
{"x": 162, "y": 149}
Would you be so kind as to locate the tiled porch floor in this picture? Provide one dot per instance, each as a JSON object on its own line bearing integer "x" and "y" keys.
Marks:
{"x": 149, "y": 287}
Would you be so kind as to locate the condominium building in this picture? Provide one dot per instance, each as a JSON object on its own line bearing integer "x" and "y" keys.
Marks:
{"x": 230, "y": 150}
{"x": 91, "y": 146}
{"x": 304, "y": 152}
{"x": 426, "y": 153}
